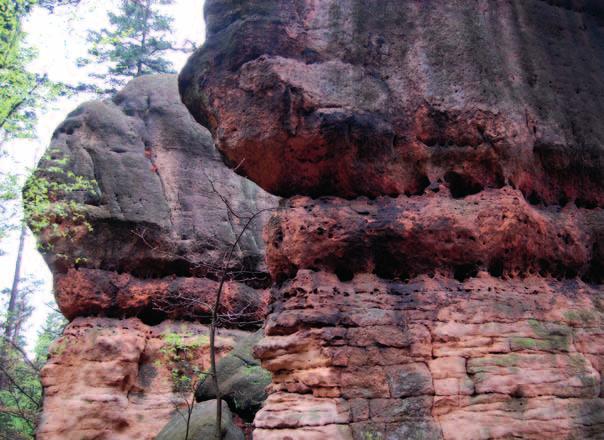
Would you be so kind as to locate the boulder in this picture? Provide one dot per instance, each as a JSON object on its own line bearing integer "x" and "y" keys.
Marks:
{"x": 242, "y": 380}
{"x": 154, "y": 215}
{"x": 202, "y": 424}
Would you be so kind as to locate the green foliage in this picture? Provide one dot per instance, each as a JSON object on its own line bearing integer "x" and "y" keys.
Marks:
{"x": 9, "y": 188}
{"x": 180, "y": 353}
{"x": 20, "y": 398}
{"x": 22, "y": 93}
{"x": 369, "y": 435}
{"x": 134, "y": 44}
{"x": 52, "y": 4}
{"x": 9, "y": 191}
{"x": 52, "y": 329}
{"x": 53, "y": 196}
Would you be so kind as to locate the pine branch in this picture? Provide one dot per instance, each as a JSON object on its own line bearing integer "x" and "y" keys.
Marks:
{"x": 20, "y": 103}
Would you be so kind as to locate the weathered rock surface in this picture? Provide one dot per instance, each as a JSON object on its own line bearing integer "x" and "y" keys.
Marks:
{"x": 495, "y": 230}
{"x": 439, "y": 266}
{"x": 378, "y": 97}
{"x": 434, "y": 358}
{"x": 163, "y": 211}
{"x": 111, "y": 379}
{"x": 83, "y": 292}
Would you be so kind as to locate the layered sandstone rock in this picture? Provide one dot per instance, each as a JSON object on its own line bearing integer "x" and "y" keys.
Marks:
{"x": 434, "y": 358}
{"x": 446, "y": 280}
{"x": 143, "y": 240}
{"x": 112, "y": 379}
{"x": 496, "y": 231}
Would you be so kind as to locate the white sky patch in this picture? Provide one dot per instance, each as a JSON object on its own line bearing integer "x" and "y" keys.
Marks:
{"x": 60, "y": 39}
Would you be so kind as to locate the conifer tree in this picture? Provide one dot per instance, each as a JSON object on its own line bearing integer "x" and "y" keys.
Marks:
{"x": 134, "y": 44}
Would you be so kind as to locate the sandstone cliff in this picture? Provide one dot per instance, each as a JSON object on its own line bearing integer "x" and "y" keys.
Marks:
{"x": 439, "y": 265}
{"x": 139, "y": 259}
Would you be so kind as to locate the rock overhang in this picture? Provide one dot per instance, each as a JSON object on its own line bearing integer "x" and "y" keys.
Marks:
{"x": 356, "y": 98}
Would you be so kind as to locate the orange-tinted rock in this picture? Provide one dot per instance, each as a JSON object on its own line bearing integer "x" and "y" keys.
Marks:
{"x": 496, "y": 230}
{"x": 439, "y": 266}
{"x": 147, "y": 244}
{"x": 383, "y": 97}
{"x": 446, "y": 280}
{"x": 109, "y": 379}
{"x": 86, "y": 292}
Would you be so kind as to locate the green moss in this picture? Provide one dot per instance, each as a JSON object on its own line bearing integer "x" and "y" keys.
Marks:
{"x": 526, "y": 343}
{"x": 367, "y": 435}
{"x": 508, "y": 360}
{"x": 577, "y": 363}
{"x": 179, "y": 356}
{"x": 549, "y": 337}
{"x": 583, "y": 316}
{"x": 184, "y": 341}
{"x": 553, "y": 343}
{"x": 580, "y": 368}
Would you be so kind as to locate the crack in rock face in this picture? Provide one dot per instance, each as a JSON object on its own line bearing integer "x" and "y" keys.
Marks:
{"x": 438, "y": 267}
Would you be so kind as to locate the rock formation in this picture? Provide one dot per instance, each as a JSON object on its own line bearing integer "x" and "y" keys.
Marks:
{"x": 162, "y": 211}
{"x": 109, "y": 379}
{"x": 439, "y": 265}
{"x": 138, "y": 259}
{"x": 242, "y": 381}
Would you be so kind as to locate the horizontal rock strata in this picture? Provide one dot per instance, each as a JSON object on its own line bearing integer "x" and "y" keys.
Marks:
{"x": 438, "y": 267}
{"x": 83, "y": 292}
{"x": 434, "y": 358}
{"x": 142, "y": 215}
{"x": 159, "y": 214}
{"x": 495, "y": 230}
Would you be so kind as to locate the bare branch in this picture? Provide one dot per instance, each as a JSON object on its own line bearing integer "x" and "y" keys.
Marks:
{"x": 223, "y": 271}
{"x": 22, "y": 353}
{"x": 14, "y": 382}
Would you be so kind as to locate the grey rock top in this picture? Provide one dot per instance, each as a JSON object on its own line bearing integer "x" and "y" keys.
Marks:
{"x": 159, "y": 176}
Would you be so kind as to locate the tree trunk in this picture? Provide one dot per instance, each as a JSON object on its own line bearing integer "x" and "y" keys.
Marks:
{"x": 9, "y": 330}
{"x": 189, "y": 413}
{"x": 139, "y": 64}
{"x": 214, "y": 324}
{"x": 218, "y": 431}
